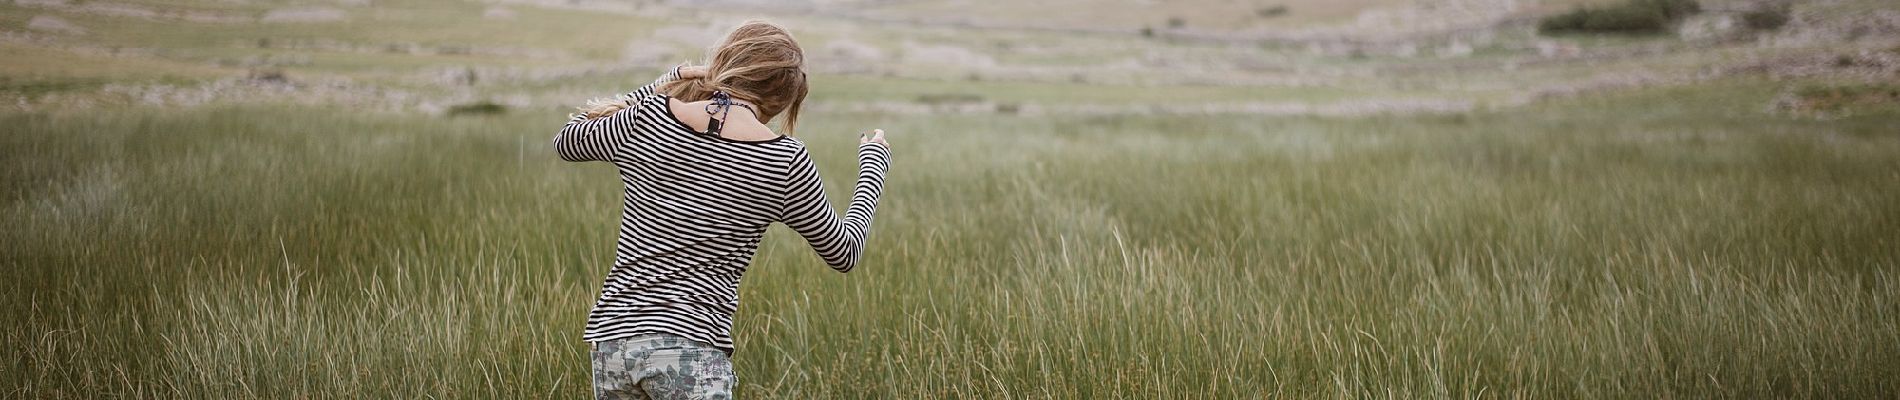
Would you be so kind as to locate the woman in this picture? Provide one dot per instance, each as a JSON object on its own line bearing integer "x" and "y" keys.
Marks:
{"x": 704, "y": 176}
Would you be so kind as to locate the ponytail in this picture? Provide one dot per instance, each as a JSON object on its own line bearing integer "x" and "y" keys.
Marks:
{"x": 689, "y": 90}
{"x": 692, "y": 89}
{"x": 598, "y": 108}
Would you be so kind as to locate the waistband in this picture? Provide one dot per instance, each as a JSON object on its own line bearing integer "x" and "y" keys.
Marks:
{"x": 666, "y": 340}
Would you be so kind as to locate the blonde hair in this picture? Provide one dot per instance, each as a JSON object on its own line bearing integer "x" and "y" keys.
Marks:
{"x": 758, "y": 63}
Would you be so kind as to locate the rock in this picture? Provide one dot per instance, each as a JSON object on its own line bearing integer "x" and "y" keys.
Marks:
{"x": 691, "y": 35}
{"x": 848, "y": 55}
{"x": 643, "y": 52}
{"x": 1455, "y": 49}
{"x": 119, "y": 10}
{"x": 305, "y": 14}
{"x": 1709, "y": 27}
{"x": 499, "y": 13}
{"x": 945, "y": 55}
{"x": 48, "y": 23}
{"x": 1405, "y": 50}
{"x": 1553, "y": 49}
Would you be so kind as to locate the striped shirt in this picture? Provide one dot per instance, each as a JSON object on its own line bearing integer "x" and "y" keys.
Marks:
{"x": 694, "y": 210}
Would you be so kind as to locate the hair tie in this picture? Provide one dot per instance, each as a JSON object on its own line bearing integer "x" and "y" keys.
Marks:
{"x": 721, "y": 106}
{"x": 722, "y": 109}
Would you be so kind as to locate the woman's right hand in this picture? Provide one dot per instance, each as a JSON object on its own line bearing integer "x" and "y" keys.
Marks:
{"x": 876, "y": 136}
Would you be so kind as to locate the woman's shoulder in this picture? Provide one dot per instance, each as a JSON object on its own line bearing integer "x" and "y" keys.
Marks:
{"x": 656, "y": 99}
{"x": 788, "y": 145}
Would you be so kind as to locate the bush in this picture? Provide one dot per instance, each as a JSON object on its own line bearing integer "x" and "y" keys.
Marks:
{"x": 268, "y": 75}
{"x": 1633, "y": 17}
{"x": 478, "y": 108}
{"x": 948, "y": 99}
{"x": 1270, "y": 12}
{"x": 1674, "y": 10}
{"x": 1841, "y": 99}
{"x": 1766, "y": 17}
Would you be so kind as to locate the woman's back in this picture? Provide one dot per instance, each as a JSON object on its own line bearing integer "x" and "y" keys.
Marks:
{"x": 700, "y": 190}
{"x": 694, "y": 210}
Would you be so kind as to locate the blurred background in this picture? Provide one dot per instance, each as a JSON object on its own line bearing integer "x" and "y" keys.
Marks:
{"x": 1089, "y": 199}
{"x": 1289, "y": 57}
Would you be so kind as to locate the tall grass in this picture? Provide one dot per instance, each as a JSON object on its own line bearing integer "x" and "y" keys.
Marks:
{"x": 1663, "y": 243}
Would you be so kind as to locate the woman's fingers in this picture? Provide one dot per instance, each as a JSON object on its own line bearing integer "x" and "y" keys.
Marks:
{"x": 876, "y": 135}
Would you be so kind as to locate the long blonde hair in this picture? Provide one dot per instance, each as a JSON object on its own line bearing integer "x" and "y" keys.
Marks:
{"x": 758, "y": 63}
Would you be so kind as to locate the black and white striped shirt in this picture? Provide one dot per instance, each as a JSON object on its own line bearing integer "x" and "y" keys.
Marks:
{"x": 694, "y": 210}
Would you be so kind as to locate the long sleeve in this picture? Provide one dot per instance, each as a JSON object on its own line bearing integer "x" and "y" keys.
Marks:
{"x": 839, "y": 241}
{"x": 596, "y": 139}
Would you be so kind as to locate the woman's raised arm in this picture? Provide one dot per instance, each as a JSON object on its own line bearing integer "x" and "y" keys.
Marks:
{"x": 600, "y": 129}
{"x": 839, "y": 241}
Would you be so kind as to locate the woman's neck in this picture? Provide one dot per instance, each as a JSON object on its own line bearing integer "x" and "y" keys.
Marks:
{"x": 739, "y": 107}
{"x": 738, "y": 122}
{"x": 743, "y": 105}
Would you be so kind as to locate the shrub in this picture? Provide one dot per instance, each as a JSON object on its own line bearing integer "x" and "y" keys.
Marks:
{"x": 1835, "y": 97}
{"x": 1273, "y": 11}
{"x": 478, "y": 108}
{"x": 1766, "y": 17}
{"x": 1674, "y": 10}
{"x": 948, "y": 99}
{"x": 1838, "y": 100}
{"x": 1633, "y": 17}
{"x": 267, "y": 75}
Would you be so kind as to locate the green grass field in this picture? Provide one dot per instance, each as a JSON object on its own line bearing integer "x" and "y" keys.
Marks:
{"x": 176, "y": 230}
{"x": 1544, "y": 252}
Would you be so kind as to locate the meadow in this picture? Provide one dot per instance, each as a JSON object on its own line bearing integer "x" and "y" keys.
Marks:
{"x": 1628, "y": 246}
{"x": 205, "y": 214}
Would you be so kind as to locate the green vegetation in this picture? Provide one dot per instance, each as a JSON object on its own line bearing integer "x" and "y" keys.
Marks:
{"x": 1766, "y": 17}
{"x": 478, "y": 108}
{"x": 1631, "y": 17}
{"x": 1842, "y": 99}
{"x": 1666, "y": 242}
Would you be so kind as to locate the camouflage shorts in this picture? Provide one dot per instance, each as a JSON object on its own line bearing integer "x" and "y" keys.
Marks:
{"x": 661, "y": 367}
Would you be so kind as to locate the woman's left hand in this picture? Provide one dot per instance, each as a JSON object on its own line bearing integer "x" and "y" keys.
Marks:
{"x": 692, "y": 72}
